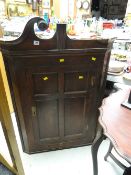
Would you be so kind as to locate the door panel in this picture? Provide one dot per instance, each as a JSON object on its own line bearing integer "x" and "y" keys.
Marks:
{"x": 74, "y": 116}
{"x": 47, "y": 119}
{"x": 75, "y": 81}
{"x": 45, "y": 83}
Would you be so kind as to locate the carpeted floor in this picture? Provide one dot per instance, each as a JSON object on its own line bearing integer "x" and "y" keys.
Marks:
{"x": 4, "y": 170}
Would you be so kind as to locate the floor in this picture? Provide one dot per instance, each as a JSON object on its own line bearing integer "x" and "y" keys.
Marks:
{"x": 4, "y": 170}
{"x": 74, "y": 161}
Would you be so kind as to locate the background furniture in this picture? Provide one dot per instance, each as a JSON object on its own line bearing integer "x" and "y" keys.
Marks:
{"x": 56, "y": 85}
{"x": 115, "y": 122}
{"x": 113, "y": 9}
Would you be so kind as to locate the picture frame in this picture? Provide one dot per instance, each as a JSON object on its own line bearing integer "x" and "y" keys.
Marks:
{"x": 20, "y": 1}
{"x": 17, "y": 10}
{"x": 2, "y": 8}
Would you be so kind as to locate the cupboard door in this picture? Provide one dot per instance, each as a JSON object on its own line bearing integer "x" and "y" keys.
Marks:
{"x": 40, "y": 109}
{"x": 80, "y": 92}
{"x": 76, "y": 106}
{"x": 45, "y": 99}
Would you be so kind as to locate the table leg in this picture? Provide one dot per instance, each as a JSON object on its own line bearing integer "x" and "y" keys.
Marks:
{"x": 94, "y": 148}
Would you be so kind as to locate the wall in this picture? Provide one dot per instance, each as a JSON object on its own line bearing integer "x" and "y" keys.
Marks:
{"x": 56, "y": 4}
{"x": 61, "y": 8}
{"x": 66, "y": 8}
{"x": 128, "y": 10}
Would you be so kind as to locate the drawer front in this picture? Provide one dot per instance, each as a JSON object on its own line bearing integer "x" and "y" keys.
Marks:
{"x": 77, "y": 60}
{"x": 90, "y": 60}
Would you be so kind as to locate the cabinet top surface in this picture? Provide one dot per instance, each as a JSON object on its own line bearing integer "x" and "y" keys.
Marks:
{"x": 60, "y": 41}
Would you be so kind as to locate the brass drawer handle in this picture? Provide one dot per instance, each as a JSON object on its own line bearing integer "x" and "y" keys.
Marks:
{"x": 45, "y": 78}
{"x": 61, "y": 60}
{"x": 81, "y": 77}
{"x": 93, "y": 58}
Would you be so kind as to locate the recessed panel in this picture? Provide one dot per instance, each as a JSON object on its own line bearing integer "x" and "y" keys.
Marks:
{"x": 74, "y": 116}
{"x": 45, "y": 83}
{"x": 75, "y": 81}
{"x": 48, "y": 119}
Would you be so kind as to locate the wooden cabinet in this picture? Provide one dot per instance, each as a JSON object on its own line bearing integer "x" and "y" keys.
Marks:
{"x": 56, "y": 88}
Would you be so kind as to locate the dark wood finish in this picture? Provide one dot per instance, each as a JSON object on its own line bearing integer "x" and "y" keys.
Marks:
{"x": 116, "y": 124}
{"x": 95, "y": 146}
{"x": 56, "y": 86}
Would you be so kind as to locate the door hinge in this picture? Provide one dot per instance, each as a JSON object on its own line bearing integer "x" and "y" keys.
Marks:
{"x": 33, "y": 109}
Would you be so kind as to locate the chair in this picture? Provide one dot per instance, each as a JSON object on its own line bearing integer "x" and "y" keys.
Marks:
{"x": 109, "y": 153}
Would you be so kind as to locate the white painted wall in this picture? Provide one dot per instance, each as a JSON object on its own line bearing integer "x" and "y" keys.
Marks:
{"x": 63, "y": 9}
{"x": 128, "y": 10}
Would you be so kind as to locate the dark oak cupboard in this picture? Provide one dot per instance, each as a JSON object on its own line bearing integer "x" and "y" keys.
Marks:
{"x": 56, "y": 85}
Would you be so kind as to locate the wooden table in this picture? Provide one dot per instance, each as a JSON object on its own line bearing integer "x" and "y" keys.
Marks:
{"x": 115, "y": 123}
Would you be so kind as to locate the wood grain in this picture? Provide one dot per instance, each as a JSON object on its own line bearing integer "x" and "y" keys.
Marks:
{"x": 116, "y": 121}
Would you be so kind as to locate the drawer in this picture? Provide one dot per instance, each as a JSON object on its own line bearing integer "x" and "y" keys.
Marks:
{"x": 92, "y": 60}
{"x": 45, "y": 83}
{"x": 74, "y": 60}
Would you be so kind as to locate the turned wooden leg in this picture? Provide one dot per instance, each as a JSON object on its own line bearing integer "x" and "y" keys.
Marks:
{"x": 109, "y": 151}
{"x": 94, "y": 149}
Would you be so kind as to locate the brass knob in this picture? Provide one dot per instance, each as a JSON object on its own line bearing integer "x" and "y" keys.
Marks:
{"x": 45, "y": 78}
{"x": 81, "y": 77}
{"x": 61, "y": 60}
{"x": 93, "y": 58}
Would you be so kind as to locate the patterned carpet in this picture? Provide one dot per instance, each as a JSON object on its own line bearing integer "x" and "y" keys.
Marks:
{"x": 4, "y": 170}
